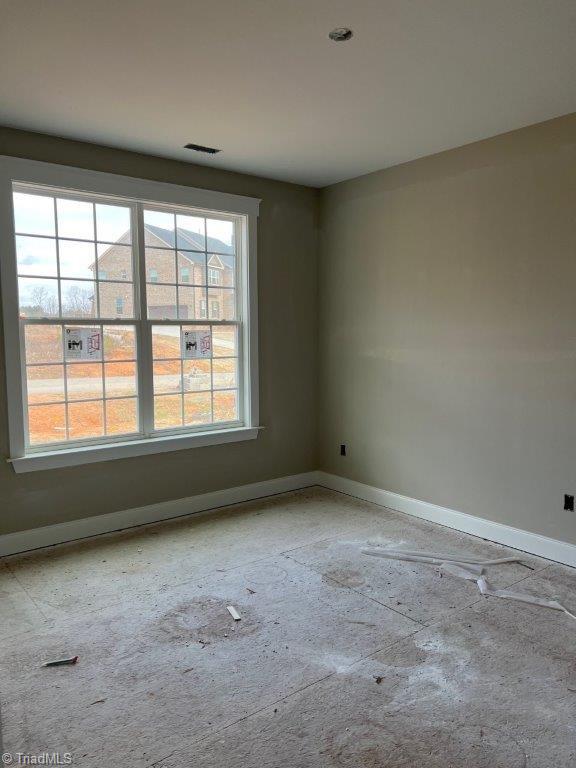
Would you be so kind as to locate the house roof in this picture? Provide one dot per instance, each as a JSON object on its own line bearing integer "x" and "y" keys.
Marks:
{"x": 193, "y": 241}
{"x": 188, "y": 240}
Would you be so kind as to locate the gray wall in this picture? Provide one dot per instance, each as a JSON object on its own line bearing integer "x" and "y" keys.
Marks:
{"x": 448, "y": 328}
{"x": 288, "y": 314}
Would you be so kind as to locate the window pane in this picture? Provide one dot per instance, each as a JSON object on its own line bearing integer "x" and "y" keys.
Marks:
{"x": 225, "y": 374}
{"x": 225, "y": 405}
{"x": 82, "y": 344}
{"x": 165, "y": 341}
{"x": 85, "y": 420}
{"x": 38, "y": 298}
{"x": 167, "y": 378}
{"x": 191, "y": 268}
{"x": 167, "y": 411}
{"x": 78, "y": 298}
{"x": 159, "y": 229}
{"x": 114, "y": 262}
{"x": 191, "y": 232}
{"x": 222, "y": 303}
{"x": 220, "y": 236}
{"x": 84, "y": 381}
{"x": 34, "y": 214}
{"x": 75, "y": 219}
{"x": 196, "y": 342}
{"x": 46, "y": 423}
{"x": 43, "y": 343}
{"x": 120, "y": 379}
{"x": 119, "y": 342}
{"x": 191, "y": 303}
{"x": 121, "y": 416}
{"x": 160, "y": 266}
{"x": 77, "y": 259}
{"x": 113, "y": 223}
{"x": 116, "y": 300}
{"x": 221, "y": 270}
{"x": 197, "y": 375}
{"x": 45, "y": 383}
{"x": 161, "y": 301}
{"x": 197, "y": 408}
{"x": 224, "y": 341}
{"x": 36, "y": 256}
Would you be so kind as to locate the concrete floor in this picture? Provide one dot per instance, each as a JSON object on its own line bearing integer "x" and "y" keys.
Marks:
{"x": 339, "y": 660}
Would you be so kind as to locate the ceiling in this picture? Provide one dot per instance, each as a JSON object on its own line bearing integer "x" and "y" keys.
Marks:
{"x": 261, "y": 80}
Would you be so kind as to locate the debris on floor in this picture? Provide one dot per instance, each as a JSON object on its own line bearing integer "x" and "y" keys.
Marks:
{"x": 378, "y": 679}
{"x": 62, "y": 662}
{"x": 233, "y": 612}
{"x": 471, "y": 569}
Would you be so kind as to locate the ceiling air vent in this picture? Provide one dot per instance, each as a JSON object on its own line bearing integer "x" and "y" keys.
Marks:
{"x": 200, "y": 148}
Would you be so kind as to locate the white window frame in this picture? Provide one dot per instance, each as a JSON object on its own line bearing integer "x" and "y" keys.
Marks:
{"x": 133, "y": 190}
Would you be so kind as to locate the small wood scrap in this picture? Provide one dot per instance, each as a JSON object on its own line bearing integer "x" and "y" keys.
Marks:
{"x": 62, "y": 662}
{"x": 233, "y": 612}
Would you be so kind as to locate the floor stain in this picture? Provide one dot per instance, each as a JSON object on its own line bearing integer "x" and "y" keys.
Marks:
{"x": 346, "y": 577}
{"x": 205, "y": 620}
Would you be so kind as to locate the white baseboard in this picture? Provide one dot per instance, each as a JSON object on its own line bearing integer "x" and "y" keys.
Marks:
{"x": 36, "y": 538}
{"x": 534, "y": 543}
{"x": 552, "y": 549}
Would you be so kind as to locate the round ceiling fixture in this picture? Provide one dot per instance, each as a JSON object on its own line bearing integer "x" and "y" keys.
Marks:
{"x": 340, "y": 34}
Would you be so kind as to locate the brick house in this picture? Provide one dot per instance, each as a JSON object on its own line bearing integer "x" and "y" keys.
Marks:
{"x": 205, "y": 278}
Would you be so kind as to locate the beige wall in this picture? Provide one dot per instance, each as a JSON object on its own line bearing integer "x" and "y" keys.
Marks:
{"x": 288, "y": 312}
{"x": 448, "y": 328}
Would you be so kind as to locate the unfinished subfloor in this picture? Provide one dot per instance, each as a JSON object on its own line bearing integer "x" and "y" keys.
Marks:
{"x": 339, "y": 660}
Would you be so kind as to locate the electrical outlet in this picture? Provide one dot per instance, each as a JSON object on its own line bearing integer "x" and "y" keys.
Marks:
{"x": 568, "y": 502}
{"x": 343, "y": 449}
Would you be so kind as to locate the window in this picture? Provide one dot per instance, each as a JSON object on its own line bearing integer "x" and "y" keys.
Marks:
{"x": 213, "y": 276}
{"x": 117, "y": 352}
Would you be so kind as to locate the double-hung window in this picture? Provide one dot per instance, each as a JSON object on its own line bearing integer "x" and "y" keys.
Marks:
{"x": 110, "y": 351}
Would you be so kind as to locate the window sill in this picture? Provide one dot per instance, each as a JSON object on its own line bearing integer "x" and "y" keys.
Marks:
{"x": 72, "y": 457}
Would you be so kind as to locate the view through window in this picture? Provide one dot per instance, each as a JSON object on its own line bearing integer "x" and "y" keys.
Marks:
{"x": 113, "y": 297}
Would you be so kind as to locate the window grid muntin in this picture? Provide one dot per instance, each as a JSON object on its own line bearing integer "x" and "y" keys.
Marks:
{"x": 140, "y": 323}
{"x": 65, "y": 365}
{"x": 237, "y": 326}
{"x": 176, "y": 249}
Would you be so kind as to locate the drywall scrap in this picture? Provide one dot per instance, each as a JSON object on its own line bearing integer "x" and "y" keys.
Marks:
{"x": 471, "y": 569}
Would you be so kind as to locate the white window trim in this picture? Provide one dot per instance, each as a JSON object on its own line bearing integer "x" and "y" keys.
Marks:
{"x": 95, "y": 182}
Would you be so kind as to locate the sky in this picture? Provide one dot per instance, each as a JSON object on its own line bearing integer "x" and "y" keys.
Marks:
{"x": 34, "y": 215}
{"x": 36, "y": 256}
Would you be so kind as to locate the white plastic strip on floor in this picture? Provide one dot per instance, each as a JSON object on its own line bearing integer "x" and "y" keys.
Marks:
{"x": 434, "y": 558}
{"x": 456, "y": 558}
{"x": 471, "y": 569}
{"x": 521, "y": 597}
